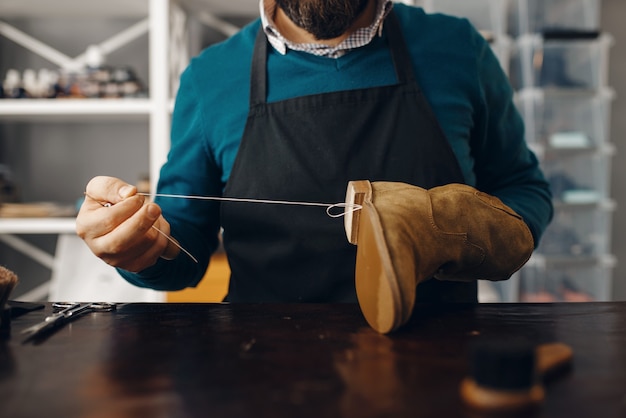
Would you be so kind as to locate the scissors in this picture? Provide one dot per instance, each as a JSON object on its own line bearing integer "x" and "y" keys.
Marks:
{"x": 63, "y": 313}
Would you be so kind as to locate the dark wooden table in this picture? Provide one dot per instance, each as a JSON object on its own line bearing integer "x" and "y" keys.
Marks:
{"x": 300, "y": 360}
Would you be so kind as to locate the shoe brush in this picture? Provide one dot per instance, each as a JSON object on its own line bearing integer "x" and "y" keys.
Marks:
{"x": 8, "y": 281}
{"x": 508, "y": 377}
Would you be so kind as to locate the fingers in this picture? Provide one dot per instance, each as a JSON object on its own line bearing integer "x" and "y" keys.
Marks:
{"x": 134, "y": 229}
{"x": 112, "y": 190}
{"x": 121, "y": 234}
{"x": 133, "y": 244}
{"x": 95, "y": 219}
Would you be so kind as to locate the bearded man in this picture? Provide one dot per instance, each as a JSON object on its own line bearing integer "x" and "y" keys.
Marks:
{"x": 304, "y": 100}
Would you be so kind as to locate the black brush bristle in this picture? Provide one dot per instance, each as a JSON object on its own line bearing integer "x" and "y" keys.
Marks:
{"x": 503, "y": 365}
{"x": 8, "y": 281}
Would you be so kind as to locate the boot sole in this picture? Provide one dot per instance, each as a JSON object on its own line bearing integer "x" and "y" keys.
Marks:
{"x": 376, "y": 283}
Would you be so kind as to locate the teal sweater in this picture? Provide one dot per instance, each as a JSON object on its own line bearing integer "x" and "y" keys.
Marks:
{"x": 460, "y": 76}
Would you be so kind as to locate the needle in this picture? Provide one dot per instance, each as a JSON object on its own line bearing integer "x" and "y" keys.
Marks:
{"x": 173, "y": 241}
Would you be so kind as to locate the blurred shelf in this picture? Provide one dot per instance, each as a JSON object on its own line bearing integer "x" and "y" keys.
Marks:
{"x": 224, "y": 8}
{"x": 116, "y": 8}
{"x": 72, "y": 8}
{"x": 37, "y": 225}
{"x": 64, "y": 110}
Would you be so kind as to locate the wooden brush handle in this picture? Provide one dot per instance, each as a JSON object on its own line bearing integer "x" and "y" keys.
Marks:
{"x": 553, "y": 357}
{"x": 549, "y": 359}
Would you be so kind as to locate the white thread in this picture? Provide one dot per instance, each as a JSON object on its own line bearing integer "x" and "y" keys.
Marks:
{"x": 349, "y": 208}
{"x": 329, "y": 206}
{"x": 173, "y": 241}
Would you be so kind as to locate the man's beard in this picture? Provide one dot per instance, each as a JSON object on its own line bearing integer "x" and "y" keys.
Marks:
{"x": 324, "y": 19}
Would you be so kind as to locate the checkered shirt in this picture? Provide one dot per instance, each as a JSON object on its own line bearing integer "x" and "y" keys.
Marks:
{"x": 359, "y": 38}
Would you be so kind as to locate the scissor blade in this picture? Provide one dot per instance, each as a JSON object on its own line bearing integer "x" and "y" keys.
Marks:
{"x": 48, "y": 324}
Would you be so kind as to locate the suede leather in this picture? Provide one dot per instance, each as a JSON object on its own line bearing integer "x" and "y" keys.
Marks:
{"x": 451, "y": 232}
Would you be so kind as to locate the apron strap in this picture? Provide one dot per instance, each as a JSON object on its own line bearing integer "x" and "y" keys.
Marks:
{"x": 258, "y": 78}
{"x": 399, "y": 53}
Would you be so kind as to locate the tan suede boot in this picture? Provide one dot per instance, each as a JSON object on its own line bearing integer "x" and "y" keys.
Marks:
{"x": 406, "y": 234}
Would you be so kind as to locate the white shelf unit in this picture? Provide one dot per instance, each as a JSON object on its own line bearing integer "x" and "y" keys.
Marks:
{"x": 155, "y": 109}
{"x": 166, "y": 24}
{"x": 153, "y": 19}
{"x": 22, "y": 226}
{"x": 72, "y": 109}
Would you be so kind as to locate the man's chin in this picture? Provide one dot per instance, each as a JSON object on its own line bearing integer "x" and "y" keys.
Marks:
{"x": 324, "y": 19}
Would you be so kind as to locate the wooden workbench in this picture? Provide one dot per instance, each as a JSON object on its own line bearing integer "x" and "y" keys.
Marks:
{"x": 298, "y": 360}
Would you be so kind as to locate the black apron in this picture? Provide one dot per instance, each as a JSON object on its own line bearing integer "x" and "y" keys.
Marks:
{"x": 307, "y": 149}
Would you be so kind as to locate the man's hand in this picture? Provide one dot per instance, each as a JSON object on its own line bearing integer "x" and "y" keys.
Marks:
{"x": 117, "y": 225}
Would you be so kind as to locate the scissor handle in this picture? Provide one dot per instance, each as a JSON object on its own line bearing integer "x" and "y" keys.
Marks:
{"x": 92, "y": 306}
{"x": 51, "y": 321}
{"x": 64, "y": 312}
{"x": 103, "y": 306}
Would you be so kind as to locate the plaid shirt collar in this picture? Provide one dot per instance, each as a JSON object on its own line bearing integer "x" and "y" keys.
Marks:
{"x": 359, "y": 38}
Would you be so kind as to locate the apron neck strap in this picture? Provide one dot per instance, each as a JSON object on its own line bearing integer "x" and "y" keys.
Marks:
{"x": 399, "y": 53}
{"x": 258, "y": 77}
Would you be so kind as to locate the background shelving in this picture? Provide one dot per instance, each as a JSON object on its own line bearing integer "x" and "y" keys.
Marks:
{"x": 72, "y": 133}
{"x": 559, "y": 64}
{"x": 55, "y": 146}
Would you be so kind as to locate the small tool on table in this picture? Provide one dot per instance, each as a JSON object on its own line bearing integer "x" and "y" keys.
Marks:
{"x": 506, "y": 376}
{"x": 65, "y": 313}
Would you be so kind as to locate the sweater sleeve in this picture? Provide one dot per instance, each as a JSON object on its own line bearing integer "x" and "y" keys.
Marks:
{"x": 504, "y": 165}
{"x": 190, "y": 170}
